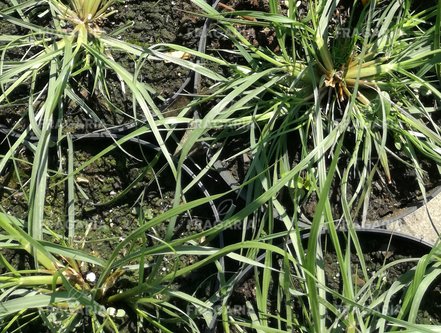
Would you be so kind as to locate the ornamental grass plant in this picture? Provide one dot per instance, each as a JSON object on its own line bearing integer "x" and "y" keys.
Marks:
{"x": 323, "y": 111}
{"x": 59, "y": 56}
{"x": 320, "y": 109}
{"x": 371, "y": 82}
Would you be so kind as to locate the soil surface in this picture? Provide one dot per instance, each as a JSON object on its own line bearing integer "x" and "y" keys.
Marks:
{"x": 149, "y": 23}
{"x": 113, "y": 195}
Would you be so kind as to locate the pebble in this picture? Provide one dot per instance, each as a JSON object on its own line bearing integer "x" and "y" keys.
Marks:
{"x": 91, "y": 277}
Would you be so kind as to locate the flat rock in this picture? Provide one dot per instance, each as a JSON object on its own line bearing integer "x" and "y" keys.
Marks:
{"x": 424, "y": 223}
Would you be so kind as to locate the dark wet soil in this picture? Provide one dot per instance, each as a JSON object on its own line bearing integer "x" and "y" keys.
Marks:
{"x": 388, "y": 200}
{"x": 164, "y": 22}
{"x": 151, "y": 22}
{"x": 113, "y": 195}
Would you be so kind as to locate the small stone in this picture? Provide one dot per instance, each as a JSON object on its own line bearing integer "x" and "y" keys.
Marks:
{"x": 82, "y": 180}
{"x": 91, "y": 277}
{"x": 119, "y": 313}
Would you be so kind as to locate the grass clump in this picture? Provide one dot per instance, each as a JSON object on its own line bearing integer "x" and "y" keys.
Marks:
{"x": 65, "y": 59}
{"x": 322, "y": 112}
{"x": 64, "y": 63}
{"x": 311, "y": 81}
{"x": 315, "y": 109}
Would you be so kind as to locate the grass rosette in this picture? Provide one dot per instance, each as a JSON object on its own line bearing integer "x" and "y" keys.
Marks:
{"x": 378, "y": 87}
{"x": 322, "y": 108}
{"x": 64, "y": 55}
{"x": 73, "y": 290}
{"x": 58, "y": 60}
